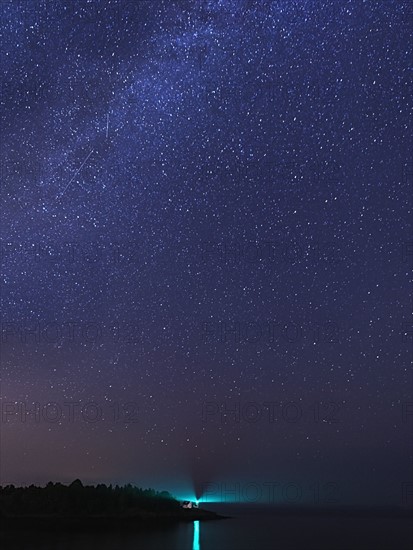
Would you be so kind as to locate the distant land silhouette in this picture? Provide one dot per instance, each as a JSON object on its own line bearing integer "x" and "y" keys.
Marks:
{"x": 88, "y": 507}
{"x": 78, "y": 507}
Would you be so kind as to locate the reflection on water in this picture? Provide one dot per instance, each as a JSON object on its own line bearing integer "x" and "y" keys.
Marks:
{"x": 243, "y": 532}
{"x": 196, "y": 545}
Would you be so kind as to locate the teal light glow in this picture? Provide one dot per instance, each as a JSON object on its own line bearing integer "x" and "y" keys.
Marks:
{"x": 196, "y": 545}
{"x": 185, "y": 496}
{"x": 209, "y": 499}
{"x": 251, "y": 493}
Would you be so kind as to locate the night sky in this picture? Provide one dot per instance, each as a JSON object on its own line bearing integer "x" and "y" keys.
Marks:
{"x": 206, "y": 246}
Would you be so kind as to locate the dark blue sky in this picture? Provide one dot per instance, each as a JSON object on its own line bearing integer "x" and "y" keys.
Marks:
{"x": 206, "y": 207}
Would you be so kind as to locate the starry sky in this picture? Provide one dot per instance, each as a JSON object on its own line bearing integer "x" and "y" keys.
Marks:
{"x": 206, "y": 244}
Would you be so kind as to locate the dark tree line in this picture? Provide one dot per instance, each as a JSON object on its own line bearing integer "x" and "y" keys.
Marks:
{"x": 79, "y": 500}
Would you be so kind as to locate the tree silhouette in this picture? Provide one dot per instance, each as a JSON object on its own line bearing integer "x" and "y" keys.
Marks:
{"x": 77, "y": 499}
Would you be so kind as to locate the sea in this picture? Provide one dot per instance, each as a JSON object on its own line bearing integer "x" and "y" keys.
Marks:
{"x": 245, "y": 529}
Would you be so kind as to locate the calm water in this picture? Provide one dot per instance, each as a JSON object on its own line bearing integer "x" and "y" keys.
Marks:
{"x": 243, "y": 532}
